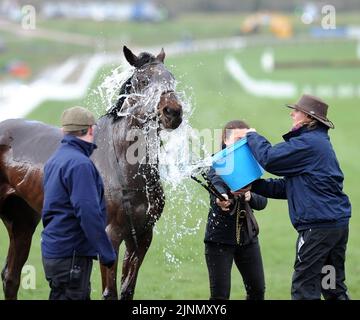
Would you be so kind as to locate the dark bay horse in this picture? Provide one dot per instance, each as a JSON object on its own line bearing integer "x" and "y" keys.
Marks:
{"x": 134, "y": 196}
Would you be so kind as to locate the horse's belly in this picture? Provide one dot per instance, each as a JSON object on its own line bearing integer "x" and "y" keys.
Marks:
{"x": 30, "y": 188}
{"x": 25, "y": 180}
{"x": 143, "y": 209}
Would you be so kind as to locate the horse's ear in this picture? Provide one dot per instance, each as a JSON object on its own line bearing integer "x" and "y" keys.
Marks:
{"x": 130, "y": 57}
{"x": 161, "y": 55}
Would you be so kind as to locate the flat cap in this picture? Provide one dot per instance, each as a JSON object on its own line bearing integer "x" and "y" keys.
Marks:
{"x": 77, "y": 118}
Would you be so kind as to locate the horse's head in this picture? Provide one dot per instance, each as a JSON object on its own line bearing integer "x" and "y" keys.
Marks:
{"x": 151, "y": 75}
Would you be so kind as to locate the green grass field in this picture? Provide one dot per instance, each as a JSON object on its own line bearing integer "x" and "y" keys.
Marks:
{"x": 195, "y": 25}
{"x": 217, "y": 98}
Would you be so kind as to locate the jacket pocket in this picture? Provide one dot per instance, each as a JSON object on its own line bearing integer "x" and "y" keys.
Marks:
{"x": 304, "y": 205}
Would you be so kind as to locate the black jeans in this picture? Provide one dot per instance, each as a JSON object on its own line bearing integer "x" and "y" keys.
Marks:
{"x": 57, "y": 272}
{"x": 219, "y": 260}
{"x": 320, "y": 255}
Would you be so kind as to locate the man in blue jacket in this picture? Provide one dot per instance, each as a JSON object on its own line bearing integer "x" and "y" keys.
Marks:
{"x": 313, "y": 185}
{"x": 74, "y": 213}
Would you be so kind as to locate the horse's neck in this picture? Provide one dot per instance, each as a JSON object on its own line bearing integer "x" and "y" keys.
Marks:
{"x": 116, "y": 155}
{"x": 141, "y": 154}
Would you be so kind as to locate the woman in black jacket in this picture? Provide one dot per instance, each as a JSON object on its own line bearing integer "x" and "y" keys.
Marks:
{"x": 231, "y": 233}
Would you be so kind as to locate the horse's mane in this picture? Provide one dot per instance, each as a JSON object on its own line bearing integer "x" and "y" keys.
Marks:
{"x": 143, "y": 59}
{"x": 124, "y": 90}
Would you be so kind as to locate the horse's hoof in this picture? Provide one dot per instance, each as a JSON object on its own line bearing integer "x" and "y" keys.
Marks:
{"x": 127, "y": 296}
{"x": 108, "y": 295}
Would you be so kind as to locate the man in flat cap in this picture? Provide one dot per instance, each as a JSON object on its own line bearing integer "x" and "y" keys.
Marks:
{"x": 74, "y": 213}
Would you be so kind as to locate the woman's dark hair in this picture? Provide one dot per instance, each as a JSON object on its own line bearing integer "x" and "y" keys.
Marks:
{"x": 313, "y": 124}
{"x": 234, "y": 124}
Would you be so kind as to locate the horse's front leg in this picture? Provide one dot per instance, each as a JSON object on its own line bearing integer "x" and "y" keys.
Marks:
{"x": 132, "y": 261}
{"x": 108, "y": 276}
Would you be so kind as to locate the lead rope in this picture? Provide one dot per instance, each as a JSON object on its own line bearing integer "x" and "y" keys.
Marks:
{"x": 240, "y": 215}
{"x": 126, "y": 204}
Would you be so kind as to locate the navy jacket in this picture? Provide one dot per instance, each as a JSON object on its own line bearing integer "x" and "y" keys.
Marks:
{"x": 221, "y": 225}
{"x": 313, "y": 181}
{"x": 74, "y": 213}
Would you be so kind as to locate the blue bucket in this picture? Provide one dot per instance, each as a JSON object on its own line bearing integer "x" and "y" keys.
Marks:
{"x": 236, "y": 165}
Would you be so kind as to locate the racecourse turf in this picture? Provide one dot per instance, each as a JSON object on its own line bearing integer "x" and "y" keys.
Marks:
{"x": 174, "y": 267}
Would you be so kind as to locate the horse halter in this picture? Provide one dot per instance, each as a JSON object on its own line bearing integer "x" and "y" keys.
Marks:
{"x": 128, "y": 89}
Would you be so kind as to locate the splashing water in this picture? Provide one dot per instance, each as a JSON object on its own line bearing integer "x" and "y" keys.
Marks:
{"x": 109, "y": 89}
{"x": 177, "y": 161}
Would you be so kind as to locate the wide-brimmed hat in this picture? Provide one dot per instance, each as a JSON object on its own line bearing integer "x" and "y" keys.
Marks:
{"x": 314, "y": 107}
{"x": 76, "y": 118}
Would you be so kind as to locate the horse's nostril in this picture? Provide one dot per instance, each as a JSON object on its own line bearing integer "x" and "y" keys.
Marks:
{"x": 167, "y": 111}
{"x": 171, "y": 112}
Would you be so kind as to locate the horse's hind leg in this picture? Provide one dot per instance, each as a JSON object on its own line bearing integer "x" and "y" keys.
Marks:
{"x": 20, "y": 221}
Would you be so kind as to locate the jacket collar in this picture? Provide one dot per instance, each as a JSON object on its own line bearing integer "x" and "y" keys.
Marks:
{"x": 84, "y": 147}
{"x": 303, "y": 129}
